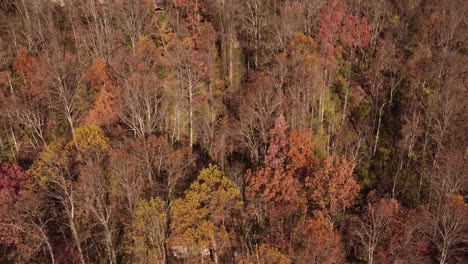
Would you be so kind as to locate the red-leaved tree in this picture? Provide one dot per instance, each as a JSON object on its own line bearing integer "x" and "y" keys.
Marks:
{"x": 339, "y": 29}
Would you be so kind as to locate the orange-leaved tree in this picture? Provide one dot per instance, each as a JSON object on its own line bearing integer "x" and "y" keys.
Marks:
{"x": 105, "y": 109}
{"x": 31, "y": 70}
{"x": 274, "y": 191}
{"x": 315, "y": 241}
{"x": 274, "y": 186}
{"x": 333, "y": 188}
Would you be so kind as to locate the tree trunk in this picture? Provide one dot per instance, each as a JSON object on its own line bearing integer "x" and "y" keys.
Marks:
{"x": 215, "y": 254}
{"x": 395, "y": 177}
{"x": 72, "y": 127}
{"x": 77, "y": 240}
{"x": 370, "y": 256}
{"x": 191, "y": 115}
{"x": 443, "y": 256}
{"x": 231, "y": 65}
{"x": 345, "y": 103}
{"x": 377, "y": 134}
{"x": 49, "y": 249}
{"x": 110, "y": 249}
{"x": 149, "y": 169}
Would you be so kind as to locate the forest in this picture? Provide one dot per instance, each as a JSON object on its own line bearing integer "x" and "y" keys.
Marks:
{"x": 234, "y": 131}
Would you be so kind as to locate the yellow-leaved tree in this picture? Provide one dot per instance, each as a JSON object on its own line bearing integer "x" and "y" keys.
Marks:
{"x": 74, "y": 175}
{"x": 202, "y": 221}
{"x": 94, "y": 184}
{"x": 147, "y": 232}
{"x": 54, "y": 168}
{"x": 268, "y": 254}
{"x": 90, "y": 142}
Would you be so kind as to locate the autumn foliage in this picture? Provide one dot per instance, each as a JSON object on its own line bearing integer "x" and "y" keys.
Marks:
{"x": 339, "y": 30}
{"x": 233, "y": 131}
{"x": 317, "y": 242}
{"x": 204, "y": 217}
{"x": 268, "y": 182}
{"x": 333, "y": 188}
{"x": 32, "y": 71}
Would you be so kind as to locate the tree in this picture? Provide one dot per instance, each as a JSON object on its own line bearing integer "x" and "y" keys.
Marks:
{"x": 13, "y": 180}
{"x": 28, "y": 119}
{"x": 147, "y": 233}
{"x": 254, "y": 33}
{"x": 141, "y": 103}
{"x": 65, "y": 83}
{"x": 451, "y": 178}
{"x": 105, "y": 109}
{"x": 96, "y": 36}
{"x": 223, "y": 18}
{"x": 301, "y": 154}
{"x": 194, "y": 60}
{"x": 162, "y": 165}
{"x": 268, "y": 254}
{"x": 266, "y": 187}
{"x": 338, "y": 29}
{"x": 94, "y": 186}
{"x": 32, "y": 216}
{"x": 193, "y": 74}
{"x": 450, "y": 227}
{"x": 135, "y": 18}
{"x": 260, "y": 106}
{"x": 27, "y": 109}
{"x": 31, "y": 70}
{"x": 98, "y": 76}
{"x": 375, "y": 225}
{"x": 91, "y": 143}
{"x": 315, "y": 241}
{"x": 191, "y": 69}
{"x": 266, "y": 184}
{"x": 24, "y": 216}
{"x": 378, "y": 14}
{"x": 204, "y": 217}
{"x": 173, "y": 165}
{"x": 142, "y": 98}
{"x": 127, "y": 176}
{"x": 333, "y": 187}
{"x": 34, "y": 25}
{"x": 191, "y": 9}
{"x": 300, "y": 71}
{"x": 54, "y": 168}
{"x": 211, "y": 110}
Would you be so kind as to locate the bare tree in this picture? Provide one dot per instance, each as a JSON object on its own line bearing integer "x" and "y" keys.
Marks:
{"x": 259, "y": 108}
{"x": 97, "y": 31}
{"x": 64, "y": 82}
{"x": 95, "y": 191}
{"x": 31, "y": 124}
{"x": 141, "y": 104}
{"x": 127, "y": 176}
{"x": 35, "y": 216}
{"x": 134, "y": 18}
{"x": 450, "y": 227}
{"x": 371, "y": 230}
{"x": 191, "y": 70}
